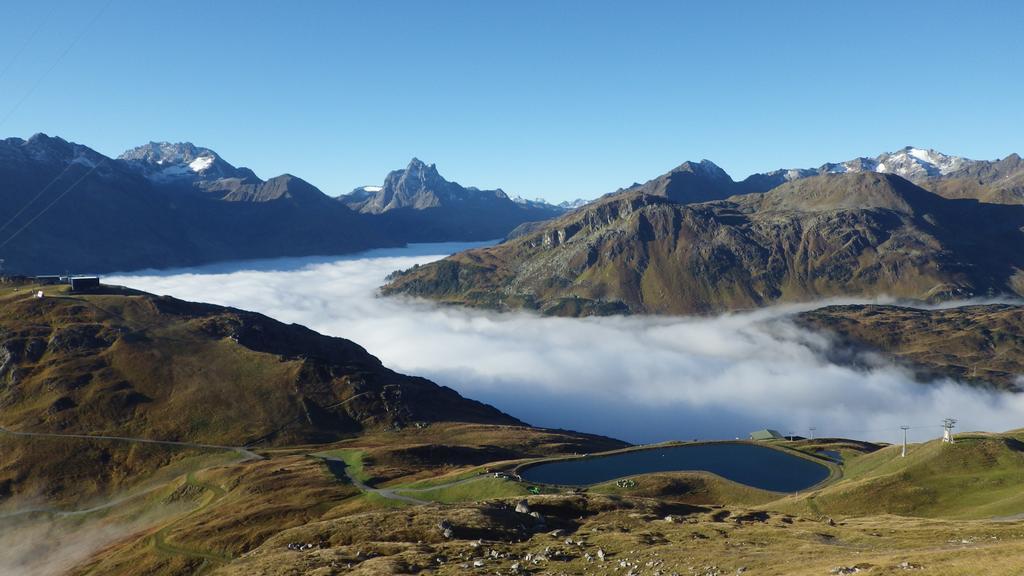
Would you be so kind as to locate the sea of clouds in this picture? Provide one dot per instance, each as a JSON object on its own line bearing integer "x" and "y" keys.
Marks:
{"x": 641, "y": 379}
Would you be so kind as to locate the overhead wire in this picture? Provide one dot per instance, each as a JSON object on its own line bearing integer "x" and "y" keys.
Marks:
{"x": 24, "y": 98}
{"x": 849, "y": 433}
{"x": 54, "y": 64}
{"x": 36, "y": 197}
{"x": 52, "y": 203}
{"x": 28, "y": 40}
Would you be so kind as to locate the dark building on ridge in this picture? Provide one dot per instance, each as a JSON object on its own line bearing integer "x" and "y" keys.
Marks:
{"x": 80, "y": 283}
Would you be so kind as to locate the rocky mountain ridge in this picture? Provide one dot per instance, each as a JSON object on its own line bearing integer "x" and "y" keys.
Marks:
{"x": 853, "y": 234}
{"x": 165, "y": 205}
{"x": 998, "y": 181}
{"x": 419, "y": 200}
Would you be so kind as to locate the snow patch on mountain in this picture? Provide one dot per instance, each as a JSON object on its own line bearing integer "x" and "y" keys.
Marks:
{"x": 201, "y": 163}
{"x": 167, "y": 162}
{"x": 912, "y": 163}
{"x": 574, "y": 204}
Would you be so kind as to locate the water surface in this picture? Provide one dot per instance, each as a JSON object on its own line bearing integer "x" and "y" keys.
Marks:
{"x": 749, "y": 464}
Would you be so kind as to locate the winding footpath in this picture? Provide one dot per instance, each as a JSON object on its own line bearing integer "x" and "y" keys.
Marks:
{"x": 241, "y": 450}
{"x": 160, "y": 537}
{"x": 398, "y": 493}
{"x": 388, "y": 493}
{"x": 245, "y": 453}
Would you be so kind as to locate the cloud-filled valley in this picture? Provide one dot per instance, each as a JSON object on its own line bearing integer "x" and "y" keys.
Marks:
{"x": 641, "y": 379}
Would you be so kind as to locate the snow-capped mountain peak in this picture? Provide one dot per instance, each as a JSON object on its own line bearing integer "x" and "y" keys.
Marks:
{"x": 915, "y": 163}
{"x": 164, "y": 153}
{"x": 574, "y": 204}
{"x": 912, "y": 163}
{"x": 163, "y": 161}
{"x": 520, "y": 200}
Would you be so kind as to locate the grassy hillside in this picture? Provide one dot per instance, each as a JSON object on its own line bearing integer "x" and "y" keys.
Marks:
{"x": 247, "y": 517}
{"x": 225, "y": 510}
{"x": 977, "y": 477}
{"x": 860, "y": 234}
{"x": 978, "y": 344}
{"x": 130, "y": 364}
{"x": 134, "y": 366}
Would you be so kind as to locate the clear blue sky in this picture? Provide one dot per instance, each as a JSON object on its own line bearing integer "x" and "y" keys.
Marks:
{"x": 547, "y": 98}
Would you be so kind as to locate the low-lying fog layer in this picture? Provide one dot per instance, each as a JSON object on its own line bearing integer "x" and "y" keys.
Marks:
{"x": 641, "y": 379}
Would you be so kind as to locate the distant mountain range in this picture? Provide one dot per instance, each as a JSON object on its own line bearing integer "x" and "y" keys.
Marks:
{"x": 67, "y": 207}
{"x": 72, "y": 209}
{"x": 997, "y": 181}
{"x": 645, "y": 250}
{"x": 428, "y": 208}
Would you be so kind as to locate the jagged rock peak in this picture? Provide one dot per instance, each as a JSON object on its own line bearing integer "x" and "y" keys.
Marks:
{"x": 43, "y": 148}
{"x": 704, "y": 167}
{"x": 166, "y": 161}
{"x": 167, "y": 153}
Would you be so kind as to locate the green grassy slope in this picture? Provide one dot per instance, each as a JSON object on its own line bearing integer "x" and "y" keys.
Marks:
{"x": 977, "y": 477}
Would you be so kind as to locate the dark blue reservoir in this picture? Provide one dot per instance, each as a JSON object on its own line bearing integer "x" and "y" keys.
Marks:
{"x": 750, "y": 464}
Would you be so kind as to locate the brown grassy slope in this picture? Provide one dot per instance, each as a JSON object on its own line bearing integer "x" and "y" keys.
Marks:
{"x": 670, "y": 523}
{"x": 232, "y": 510}
{"x": 851, "y": 234}
{"x": 155, "y": 367}
{"x": 979, "y": 344}
{"x": 238, "y": 506}
{"x": 258, "y": 508}
{"x": 73, "y": 474}
{"x": 633, "y": 535}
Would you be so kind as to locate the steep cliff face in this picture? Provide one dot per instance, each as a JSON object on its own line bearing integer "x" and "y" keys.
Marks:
{"x": 861, "y": 234}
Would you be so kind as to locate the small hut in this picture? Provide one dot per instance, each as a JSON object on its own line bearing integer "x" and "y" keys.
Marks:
{"x": 80, "y": 283}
